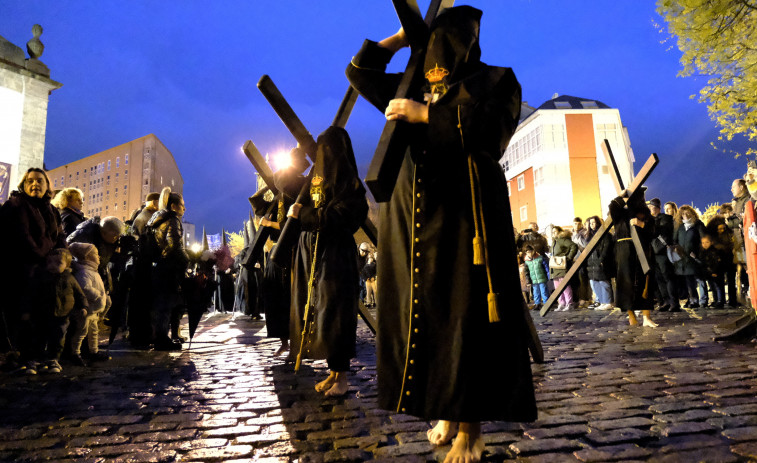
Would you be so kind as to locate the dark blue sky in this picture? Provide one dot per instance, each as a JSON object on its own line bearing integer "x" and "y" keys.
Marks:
{"x": 186, "y": 71}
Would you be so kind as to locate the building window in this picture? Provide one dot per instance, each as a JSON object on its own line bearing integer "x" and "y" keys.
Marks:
{"x": 523, "y": 213}
{"x": 126, "y": 159}
{"x": 521, "y": 182}
{"x": 554, "y": 137}
{"x": 118, "y": 162}
{"x": 562, "y": 105}
{"x": 77, "y": 176}
{"x": 126, "y": 174}
{"x": 55, "y": 183}
{"x": 608, "y": 132}
{"x": 538, "y": 176}
{"x": 172, "y": 183}
{"x": 108, "y": 164}
{"x": 589, "y": 105}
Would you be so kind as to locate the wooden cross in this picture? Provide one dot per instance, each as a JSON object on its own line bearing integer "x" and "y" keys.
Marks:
{"x": 258, "y": 242}
{"x": 287, "y": 115}
{"x": 387, "y": 160}
{"x": 638, "y": 181}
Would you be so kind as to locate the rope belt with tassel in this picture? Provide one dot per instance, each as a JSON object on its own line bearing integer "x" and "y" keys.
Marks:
{"x": 480, "y": 246}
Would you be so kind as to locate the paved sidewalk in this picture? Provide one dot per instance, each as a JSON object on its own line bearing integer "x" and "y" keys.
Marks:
{"x": 608, "y": 392}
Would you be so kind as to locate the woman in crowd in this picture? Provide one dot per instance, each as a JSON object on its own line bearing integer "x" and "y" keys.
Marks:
{"x": 30, "y": 227}
{"x": 562, "y": 247}
{"x": 600, "y": 264}
{"x": 69, "y": 202}
{"x": 688, "y": 237}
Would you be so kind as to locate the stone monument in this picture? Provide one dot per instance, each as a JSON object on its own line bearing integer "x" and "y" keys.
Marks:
{"x": 25, "y": 88}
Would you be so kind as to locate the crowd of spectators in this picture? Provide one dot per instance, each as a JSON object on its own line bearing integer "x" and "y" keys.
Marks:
{"x": 66, "y": 275}
{"x": 694, "y": 264}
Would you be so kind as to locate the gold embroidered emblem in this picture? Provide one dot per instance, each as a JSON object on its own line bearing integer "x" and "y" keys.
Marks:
{"x": 436, "y": 74}
{"x": 281, "y": 213}
{"x": 436, "y": 82}
{"x": 316, "y": 191}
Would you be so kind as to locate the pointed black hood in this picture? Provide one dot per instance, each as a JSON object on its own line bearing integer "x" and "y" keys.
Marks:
{"x": 453, "y": 52}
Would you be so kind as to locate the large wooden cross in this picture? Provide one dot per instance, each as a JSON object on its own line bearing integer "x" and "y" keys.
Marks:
{"x": 638, "y": 181}
{"x": 387, "y": 160}
{"x": 257, "y": 244}
{"x": 287, "y": 115}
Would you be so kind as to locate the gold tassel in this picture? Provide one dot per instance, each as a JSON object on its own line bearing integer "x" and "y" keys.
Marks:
{"x": 478, "y": 251}
{"x": 493, "y": 309}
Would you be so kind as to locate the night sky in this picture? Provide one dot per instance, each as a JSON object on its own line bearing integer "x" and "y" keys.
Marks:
{"x": 186, "y": 71}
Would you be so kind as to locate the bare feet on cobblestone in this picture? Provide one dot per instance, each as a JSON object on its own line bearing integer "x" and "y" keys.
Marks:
{"x": 468, "y": 445}
{"x": 284, "y": 348}
{"x": 632, "y": 318}
{"x": 326, "y": 384}
{"x": 340, "y": 385}
{"x": 442, "y": 433}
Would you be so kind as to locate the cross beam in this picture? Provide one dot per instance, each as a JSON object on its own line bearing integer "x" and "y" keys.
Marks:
{"x": 387, "y": 160}
{"x": 638, "y": 181}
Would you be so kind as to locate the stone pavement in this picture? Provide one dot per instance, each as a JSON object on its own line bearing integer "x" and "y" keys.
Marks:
{"x": 608, "y": 392}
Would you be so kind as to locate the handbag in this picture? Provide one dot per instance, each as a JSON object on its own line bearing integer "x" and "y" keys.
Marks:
{"x": 558, "y": 262}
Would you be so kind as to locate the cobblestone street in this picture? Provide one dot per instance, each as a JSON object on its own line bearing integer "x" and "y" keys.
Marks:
{"x": 608, "y": 392}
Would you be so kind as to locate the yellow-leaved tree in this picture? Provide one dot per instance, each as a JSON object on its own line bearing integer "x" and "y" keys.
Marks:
{"x": 235, "y": 241}
{"x": 718, "y": 39}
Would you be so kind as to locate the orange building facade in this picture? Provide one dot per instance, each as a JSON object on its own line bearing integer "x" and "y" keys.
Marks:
{"x": 555, "y": 167}
{"x": 116, "y": 181}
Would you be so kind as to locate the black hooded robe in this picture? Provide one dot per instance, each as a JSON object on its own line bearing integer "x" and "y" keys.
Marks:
{"x": 275, "y": 281}
{"x": 327, "y": 232}
{"x": 439, "y": 357}
{"x": 632, "y": 290}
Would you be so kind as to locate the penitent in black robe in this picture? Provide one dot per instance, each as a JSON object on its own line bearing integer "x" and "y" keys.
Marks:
{"x": 275, "y": 281}
{"x": 331, "y": 223}
{"x": 632, "y": 290}
{"x": 439, "y": 357}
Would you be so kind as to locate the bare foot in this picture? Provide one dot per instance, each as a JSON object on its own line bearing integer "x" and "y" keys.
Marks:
{"x": 646, "y": 321}
{"x": 340, "y": 385}
{"x": 468, "y": 445}
{"x": 326, "y": 383}
{"x": 632, "y": 319}
{"x": 442, "y": 433}
{"x": 284, "y": 347}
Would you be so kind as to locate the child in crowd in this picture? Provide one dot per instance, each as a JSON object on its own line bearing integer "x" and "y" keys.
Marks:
{"x": 53, "y": 295}
{"x": 85, "y": 271}
{"x": 538, "y": 270}
{"x": 525, "y": 280}
{"x": 711, "y": 262}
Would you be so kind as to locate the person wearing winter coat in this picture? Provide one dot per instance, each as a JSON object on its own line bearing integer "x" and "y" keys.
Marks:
{"x": 52, "y": 297}
{"x": 663, "y": 269}
{"x": 563, "y": 246}
{"x": 688, "y": 238}
{"x": 538, "y": 272}
{"x": 30, "y": 227}
{"x": 711, "y": 270}
{"x": 69, "y": 202}
{"x": 87, "y": 261}
{"x": 103, "y": 234}
{"x": 168, "y": 272}
{"x": 600, "y": 264}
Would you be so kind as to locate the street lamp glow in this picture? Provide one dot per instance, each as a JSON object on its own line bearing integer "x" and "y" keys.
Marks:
{"x": 281, "y": 160}
{"x": 196, "y": 248}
